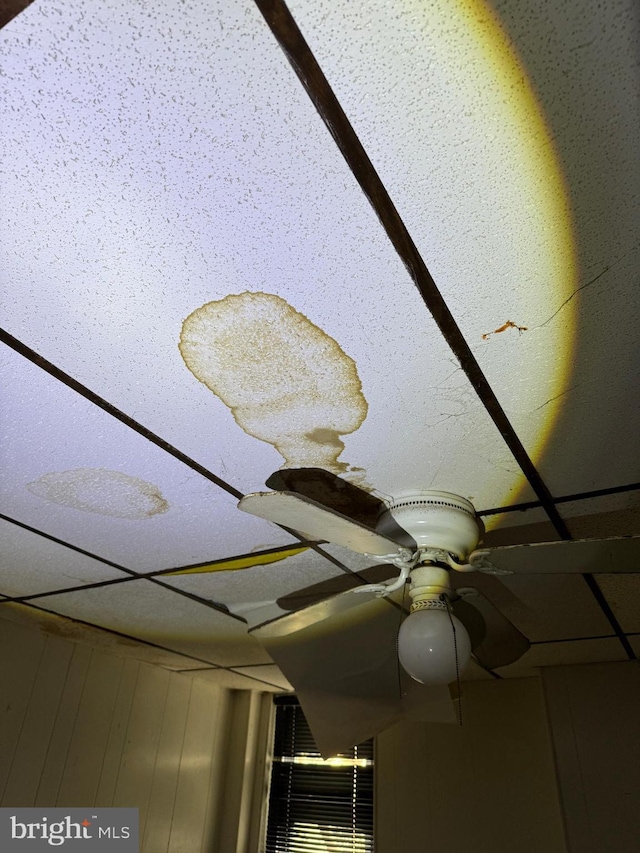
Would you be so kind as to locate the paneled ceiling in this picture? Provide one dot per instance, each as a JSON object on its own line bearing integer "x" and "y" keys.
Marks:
{"x": 394, "y": 240}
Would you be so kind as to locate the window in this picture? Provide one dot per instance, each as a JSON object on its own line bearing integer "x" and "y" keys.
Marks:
{"x": 317, "y": 805}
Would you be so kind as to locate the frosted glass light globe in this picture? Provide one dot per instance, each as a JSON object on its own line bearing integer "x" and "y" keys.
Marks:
{"x": 426, "y": 646}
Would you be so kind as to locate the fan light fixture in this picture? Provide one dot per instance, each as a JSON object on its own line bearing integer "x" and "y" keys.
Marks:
{"x": 433, "y": 644}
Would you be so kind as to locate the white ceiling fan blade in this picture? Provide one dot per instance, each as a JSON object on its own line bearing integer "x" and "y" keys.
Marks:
{"x": 314, "y": 520}
{"x": 502, "y": 642}
{"x": 597, "y": 556}
{"x": 340, "y": 657}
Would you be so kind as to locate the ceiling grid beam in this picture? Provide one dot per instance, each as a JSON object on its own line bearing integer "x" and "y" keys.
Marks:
{"x": 288, "y": 35}
{"x": 298, "y": 53}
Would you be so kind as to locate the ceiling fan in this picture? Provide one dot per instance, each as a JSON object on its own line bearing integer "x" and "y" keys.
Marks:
{"x": 341, "y": 652}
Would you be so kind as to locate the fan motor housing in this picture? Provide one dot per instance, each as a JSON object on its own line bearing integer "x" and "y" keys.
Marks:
{"x": 435, "y": 520}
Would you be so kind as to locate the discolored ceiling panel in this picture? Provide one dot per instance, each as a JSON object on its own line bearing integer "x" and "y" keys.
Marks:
{"x": 76, "y": 473}
{"x": 188, "y": 171}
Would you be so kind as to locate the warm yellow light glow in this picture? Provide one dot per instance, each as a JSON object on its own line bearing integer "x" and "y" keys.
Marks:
{"x": 500, "y": 104}
{"x": 329, "y": 838}
{"x": 326, "y": 762}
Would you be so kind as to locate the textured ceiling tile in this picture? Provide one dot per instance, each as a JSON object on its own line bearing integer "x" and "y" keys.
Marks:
{"x": 623, "y": 594}
{"x": 157, "y": 163}
{"x": 143, "y": 609}
{"x": 178, "y": 162}
{"x": 594, "y": 518}
{"x": 519, "y": 518}
{"x": 540, "y": 531}
{"x": 541, "y": 282}
{"x": 610, "y": 515}
{"x": 557, "y": 607}
{"x": 73, "y": 471}
{"x": 564, "y": 654}
{"x": 30, "y": 564}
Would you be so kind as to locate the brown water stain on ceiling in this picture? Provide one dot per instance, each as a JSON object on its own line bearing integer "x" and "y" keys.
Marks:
{"x": 101, "y": 491}
{"x": 284, "y": 379}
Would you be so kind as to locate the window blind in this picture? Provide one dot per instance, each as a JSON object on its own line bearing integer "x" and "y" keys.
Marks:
{"x": 317, "y": 805}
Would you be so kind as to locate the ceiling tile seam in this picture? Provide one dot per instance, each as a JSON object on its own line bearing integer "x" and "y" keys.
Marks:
{"x": 340, "y": 565}
{"x": 219, "y": 607}
{"x": 203, "y": 668}
{"x": 20, "y": 599}
{"x": 573, "y": 639}
{"x": 597, "y": 493}
{"x": 75, "y": 548}
{"x": 133, "y": 575}
{"x": 235, "y": 670}
{"x": 288, "y": 35}
{"x": 208, "y": 663}
{"x": 10, "y": 9}
{"x": 600, "y": 597}
{"x": 35, "y": 358}
{"x": 39, "y": 361}
{"x": 579, "y": 496}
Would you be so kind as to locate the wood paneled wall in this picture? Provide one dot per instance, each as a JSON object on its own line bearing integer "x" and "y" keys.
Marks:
{"x": 81, "y": 727}
{"x": 487, "y": 787}
{"x": 594, "y": 712}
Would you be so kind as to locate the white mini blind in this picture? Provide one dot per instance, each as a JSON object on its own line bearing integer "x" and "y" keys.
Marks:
{"x": 317, "y": 805}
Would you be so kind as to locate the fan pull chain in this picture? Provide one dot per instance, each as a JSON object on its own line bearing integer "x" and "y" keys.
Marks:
{"x": 402, "y": 614}
{"x": 455, "y": 648}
